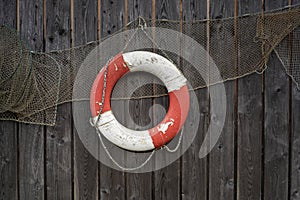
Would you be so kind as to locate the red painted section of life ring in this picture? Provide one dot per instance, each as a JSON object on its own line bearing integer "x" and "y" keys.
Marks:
{"x": 174, "y": 119}
{"x": 177, "y": 114}
{"x": 116, "y": 69}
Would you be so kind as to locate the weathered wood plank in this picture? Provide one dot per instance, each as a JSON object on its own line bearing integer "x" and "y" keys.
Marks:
{"x": 294, "y": 192}
{"x": 8, "y": 160}
{"x": 276, "y": 130}
{"x": 8, "y": 129}
{"x": 167, "y": 180}
{"x": 8, "y": 14}
{"x": 31, "y": 137}
{"x": 194, "y": 170}
{"x": 295, "y": 151}
{"x": 112, "y": 182}
{"x": 138, "y": 8}
{"x": 86, "y": 180}
{"x": 250, "y": 111}
{"x": 194, "y": 10}
{"x": 276, "y": 146}
{"x": 138, "y": 186}
{"x": 58, "y": 138}
{"x": 31, "y": 161}
{"x": 221, "y": 159}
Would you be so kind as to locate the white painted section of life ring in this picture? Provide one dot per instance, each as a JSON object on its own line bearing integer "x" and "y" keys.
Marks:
{"x": 157, "y": 65}
{"x": 122, "y": 136}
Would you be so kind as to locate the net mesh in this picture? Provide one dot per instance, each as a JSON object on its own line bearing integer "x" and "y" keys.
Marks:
{"x": 32, "y": 84}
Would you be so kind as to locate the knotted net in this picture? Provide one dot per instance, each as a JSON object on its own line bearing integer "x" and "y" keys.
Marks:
{"x": 32, "y": 84}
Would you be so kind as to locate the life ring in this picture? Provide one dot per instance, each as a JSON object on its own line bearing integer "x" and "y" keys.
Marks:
{"x": 157, "y": 136}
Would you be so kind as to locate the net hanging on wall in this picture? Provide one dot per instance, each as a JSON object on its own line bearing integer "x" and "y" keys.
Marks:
{"x": 32, "y": 84}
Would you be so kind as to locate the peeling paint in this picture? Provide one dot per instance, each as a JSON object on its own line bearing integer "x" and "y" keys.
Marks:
{"x": 163, "y": 127}
{"x": 122, "y": 136}
{"x": 157, "y": 65}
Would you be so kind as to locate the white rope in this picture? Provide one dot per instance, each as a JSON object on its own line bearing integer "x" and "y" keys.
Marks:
{"x": 116, "y": 163}
{"x": 178, "y": 144}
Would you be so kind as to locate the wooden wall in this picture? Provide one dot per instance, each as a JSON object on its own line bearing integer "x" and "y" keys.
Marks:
{"x": 257, "y": 156}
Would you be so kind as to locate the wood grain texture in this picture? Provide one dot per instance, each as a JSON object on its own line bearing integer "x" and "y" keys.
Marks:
{"x": 193, "y": 10}
{"x": 276, "y": 131}
{"x": 86, "y": 180}
{"x": 8, "y": 129}
{"x": 276, "y": 146}
{"x": 31, "y": 137}
{"x": 8, "y": 14}
{"x": 295, "y": 142}
{"x": 250, "y": 118}
{"x": 137, "y": 185}
{"x": 221, "y": 159}
{"x": 58, "y": 138}
{"x": 8, "y": 160}
{"x": 33, "y": 169}
{"x": 194, "y": 170}
{"x": 294, "y": 189}
{"x": 31, "y": 162}
{"x": 167, "y": 180}
{"x": 112, "y": 182}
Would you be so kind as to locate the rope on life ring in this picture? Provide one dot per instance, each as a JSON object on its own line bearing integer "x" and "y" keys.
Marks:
{"x": 106, "y": 123}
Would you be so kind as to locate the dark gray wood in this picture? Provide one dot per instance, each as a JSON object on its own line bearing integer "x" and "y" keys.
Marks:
{"x": 31, "y": 137}
{"x": 112, "y": 182}
{"x": 31, "y": 24}
{"x": 8, "y": 160}
{"x": 8, "y": 14}
{"x": 138, "y": 8}
{"x": 221, "y": 159}
{"x": 137, "y": 185}
{"x": 8, "y": 129}
{"x": 276, "y": 146}
{"x": 295, "y": 145}
{"x": 276, "y": 131}
{"x": 31, "y": 161}
{"x": 167, "y": 180}
{"x": 250, "y": 118}
{"x": 86, "y": 180}
{"x": 294, "y": 189}
{"x": 194, "y": 170}
{"x": 58, "y": 138}
{"x": 25, "y": 156}
{"x": 167, "y": 9}
{"x": 194, "y": 10}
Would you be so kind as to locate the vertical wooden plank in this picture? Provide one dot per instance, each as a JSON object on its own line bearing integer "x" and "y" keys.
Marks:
{"x": 194, "y": 170}
{"x": 277, "y": 95}
{"x": 8, "y": 129}
{"x": 58, "y": 138}
{"x": 8, "y": 14}
{"x": 31, "y": 137}
{"x": 250, "y": 125}
{"x": 138, "y": 186}
{"x": 8, "y": 160}
{"x": 112, "y": 182}
{"x": 194, "y": 10}
{"x": 295, "y": 151}
{"x": 294, "y": 192}
{"x": 221, "y": 159}
{"x": 138, "y": 8}
{"x": 167, "y": 180}
{"x": 85, "y": 165}
{"x": 167, "y": 9}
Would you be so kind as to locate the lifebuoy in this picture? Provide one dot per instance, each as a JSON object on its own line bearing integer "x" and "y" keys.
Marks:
{"x": 157, "y": 136}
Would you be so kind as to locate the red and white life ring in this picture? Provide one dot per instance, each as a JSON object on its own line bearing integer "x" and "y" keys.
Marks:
{"x": 177, "y": 113}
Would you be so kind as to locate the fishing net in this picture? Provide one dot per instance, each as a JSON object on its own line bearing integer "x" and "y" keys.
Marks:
{"x": 32, "y": 84}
